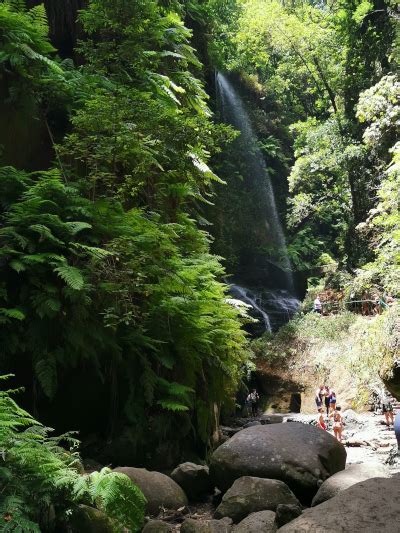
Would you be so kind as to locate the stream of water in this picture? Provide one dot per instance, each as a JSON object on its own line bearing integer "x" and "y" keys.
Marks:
{"x": 272, "y": 307}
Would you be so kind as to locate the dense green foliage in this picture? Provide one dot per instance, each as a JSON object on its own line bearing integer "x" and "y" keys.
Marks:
{"x": 329, "y": 68}
{"x": 105, "y": 270}
{"x": 348, "y": 350}
{"x": 40, "y": 481}
{"x": 113, "y": 311}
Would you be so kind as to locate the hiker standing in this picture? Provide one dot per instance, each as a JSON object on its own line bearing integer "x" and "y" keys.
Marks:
{"x": 327, "y": 398}
{"x": 387, "y": 410}
{"x": 332, "y": 400}
{"x": 317, "y": 305}
{"x": 320, "y": 395}
{"x": 320, "y": 419}
{"x": 253, "y": 399}
{"x": 337, "y": 423}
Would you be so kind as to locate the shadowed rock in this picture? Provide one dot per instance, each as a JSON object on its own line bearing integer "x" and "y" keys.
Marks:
{"x": 194, "y": 479}
{"x": 261, "y": 522}
{"x": 300, "y": 455}
{"x": 251, "y": 494}
{"x": 159, "y": 489}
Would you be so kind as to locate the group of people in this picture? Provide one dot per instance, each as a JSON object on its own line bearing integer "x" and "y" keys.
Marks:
{"x": 325, "y": 399}
{"x": 369, "y": 305}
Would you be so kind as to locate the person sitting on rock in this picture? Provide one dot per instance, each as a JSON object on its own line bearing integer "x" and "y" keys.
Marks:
{"x": 337, "y": 423}
{"x": 387, "y": 410}
{"x": 252, "y": 399}
{"x": 320, "y": 420}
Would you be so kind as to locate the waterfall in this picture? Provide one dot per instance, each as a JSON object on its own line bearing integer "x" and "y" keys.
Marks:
{"x": 234, "y": 113}
{"x": 280, "y": 304}
{"x": 245, "y": 295}
{"x": 271, "y": 308}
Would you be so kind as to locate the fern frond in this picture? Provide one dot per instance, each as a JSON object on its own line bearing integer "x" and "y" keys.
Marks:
{"x": 46, "y": 372}
{"x": 72, "y": 276}
{"x": 17, "y": 314}
{"x": 116, "y": 495}
{"x": 171, "y": 405}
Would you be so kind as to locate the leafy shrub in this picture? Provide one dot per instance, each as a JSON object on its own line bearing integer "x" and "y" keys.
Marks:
{"x": 38, "y": 476}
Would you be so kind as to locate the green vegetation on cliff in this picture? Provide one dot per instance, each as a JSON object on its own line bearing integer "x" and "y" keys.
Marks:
{"x": 113, "y": 310}
{"x": 323, "y": 75}
{"x": 105, "y": 271}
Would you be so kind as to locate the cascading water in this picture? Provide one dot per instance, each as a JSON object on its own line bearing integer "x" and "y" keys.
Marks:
{"x": 272, "y": 307}
{"x": 246, "y": 296}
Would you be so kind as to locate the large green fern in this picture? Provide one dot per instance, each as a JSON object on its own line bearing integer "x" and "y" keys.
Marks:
{"x": 37, "y": 474}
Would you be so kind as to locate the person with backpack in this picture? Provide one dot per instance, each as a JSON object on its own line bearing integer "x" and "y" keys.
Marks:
{"x": 387, "y": 410}
{"x": 252, "y": 399}
{"x": 337, "y": 423}
{"x": 332, "y": 400}
{"x": 320, "y": 395}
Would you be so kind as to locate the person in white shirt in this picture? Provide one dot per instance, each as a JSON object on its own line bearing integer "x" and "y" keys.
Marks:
{"x": 317, "y": 305}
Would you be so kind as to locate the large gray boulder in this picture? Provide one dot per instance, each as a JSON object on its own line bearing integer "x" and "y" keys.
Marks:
{"x": 159, "y": 489}
{"x": 261, "y": 522}
{"x": 300, "y": 455}
{"x": 372, "y": 506}
{"x": 251, "y": 494}
{"x": 207, "y": 526}
{"x": 346, "y": 478}
{"x": 194, "y": 479}
{"x": 157, "y": 526}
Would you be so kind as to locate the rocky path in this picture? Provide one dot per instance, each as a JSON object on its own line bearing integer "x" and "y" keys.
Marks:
{"x": 243, "y": 505}
{"x": 367, "y": 438}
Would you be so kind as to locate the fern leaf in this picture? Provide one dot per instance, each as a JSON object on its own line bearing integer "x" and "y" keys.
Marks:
{"x": 76, "y": 227}
{"x": 17, "y": 314}
{"x": 17, "y": 265}
{"x": 72, "y": 276}
{"x": 116, "y": 495}
{"x": 46, "y": 372}
{"x": 170, "y": 405}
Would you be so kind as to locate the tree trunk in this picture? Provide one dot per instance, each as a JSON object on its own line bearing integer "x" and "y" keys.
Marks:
{"x": 64, "y": 30}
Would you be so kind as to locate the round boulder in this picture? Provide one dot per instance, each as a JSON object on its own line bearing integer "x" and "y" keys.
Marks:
{"x": 263, "y": 521}
{"x": 157, "y": 526}
{"x": 251, "y": 494}
{"x": 370, "y": 506}
{"x": 207, "y": 526}
{"x": 158, "y": 489}
{"x": 194, "y": 479}
{"x": 300, "y": 455}
{"x": 346, "y": 478}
